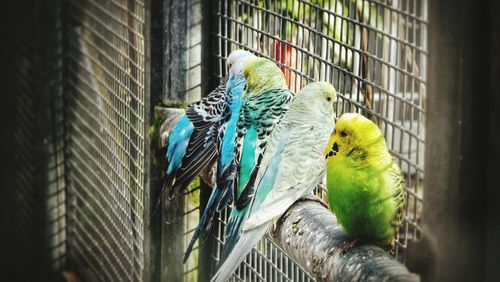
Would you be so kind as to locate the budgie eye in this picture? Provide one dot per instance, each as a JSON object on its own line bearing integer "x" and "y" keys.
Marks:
{"x": 328, "y": 99}
{"x": 343, "y": 133}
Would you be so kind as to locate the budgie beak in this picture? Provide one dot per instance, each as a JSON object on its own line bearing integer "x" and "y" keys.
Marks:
{"x": 329, "y": 150}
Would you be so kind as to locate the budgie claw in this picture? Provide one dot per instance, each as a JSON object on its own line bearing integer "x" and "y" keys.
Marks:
{"x": 347, "y": 247}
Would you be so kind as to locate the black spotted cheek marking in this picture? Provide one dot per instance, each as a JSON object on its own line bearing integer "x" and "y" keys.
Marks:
{"x": 335, "y": 147}
{"x": 331, "y": 153}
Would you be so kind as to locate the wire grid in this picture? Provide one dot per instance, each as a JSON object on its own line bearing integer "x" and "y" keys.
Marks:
{"x": 266, "y": 261}
{"x": 191, "y": 219}
{"x": 373, "y": 52}
{"x": 106, "y": 130}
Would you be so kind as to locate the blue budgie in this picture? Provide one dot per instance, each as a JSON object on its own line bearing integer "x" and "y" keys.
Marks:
{"x": 192, "y": 145}
{"x": 225, "y": 135}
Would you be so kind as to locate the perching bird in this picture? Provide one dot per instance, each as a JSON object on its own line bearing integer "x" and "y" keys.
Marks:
{"x": 265, "y": 101}
{"x": 192, "y": 143}
{"x": 225, "y": 139}
{"x": 365, "y": 185}
{"x": 292, "y": 166}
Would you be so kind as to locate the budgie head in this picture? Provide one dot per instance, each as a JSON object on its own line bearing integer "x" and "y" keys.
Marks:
{"x": 357, "y": 138}
{"x": 317, "y": 96}
{"x": 263, "y": 75}
{"x": 237, "y": 60}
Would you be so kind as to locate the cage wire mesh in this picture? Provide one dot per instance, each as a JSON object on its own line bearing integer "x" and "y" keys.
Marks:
{"x": 105, "y": 121}
{"x": 191, "y": 218}
{"x": 373, "y": 52}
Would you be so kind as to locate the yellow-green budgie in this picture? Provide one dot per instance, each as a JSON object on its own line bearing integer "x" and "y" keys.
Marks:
{"x": 365, "y": 185}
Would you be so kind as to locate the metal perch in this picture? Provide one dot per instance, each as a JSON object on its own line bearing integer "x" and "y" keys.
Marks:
{"x": 309, "y": 233}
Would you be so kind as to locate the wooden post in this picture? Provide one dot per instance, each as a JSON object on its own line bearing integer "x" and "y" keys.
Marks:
{"x": 153, "y": 88}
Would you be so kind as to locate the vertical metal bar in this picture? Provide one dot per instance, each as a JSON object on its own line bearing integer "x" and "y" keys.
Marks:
{"x": 456, "y": 154}
{"x": 492, "y": 222}
{"x": 153, "y": 36}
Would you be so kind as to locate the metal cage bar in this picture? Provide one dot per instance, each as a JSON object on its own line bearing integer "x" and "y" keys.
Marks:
{"x": 461, "y": 193}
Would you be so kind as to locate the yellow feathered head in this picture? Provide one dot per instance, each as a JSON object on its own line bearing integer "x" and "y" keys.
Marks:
{"x": 262, "y": 75}
{"x": 356, "y": 137}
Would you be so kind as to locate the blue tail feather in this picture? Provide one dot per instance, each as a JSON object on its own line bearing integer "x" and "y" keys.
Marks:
{"x": 167, "y": 182}
{"x": 205, "y": 221}
{"x": 227, "y": 197}
{"x": 231, "y": 235}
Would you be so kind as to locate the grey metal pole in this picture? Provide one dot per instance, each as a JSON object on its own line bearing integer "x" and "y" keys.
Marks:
{"x": 457, "y": 151}
{"x": 492, "y": 196}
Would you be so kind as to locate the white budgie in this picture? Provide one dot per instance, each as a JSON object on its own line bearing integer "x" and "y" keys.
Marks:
{"x": 292, "y": 166}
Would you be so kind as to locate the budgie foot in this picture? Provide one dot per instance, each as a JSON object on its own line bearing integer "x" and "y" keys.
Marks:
{"x": 314, "y": 198}
{"x": 347, "y": 247}
{"x": 391, "y": 246}
{"x": 209, "y": 174}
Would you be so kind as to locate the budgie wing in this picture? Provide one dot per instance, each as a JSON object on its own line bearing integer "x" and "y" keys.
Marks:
{"x": 269, "y": 108}
{"x": 206, "y": 116}
{"x": 225, "y": 118}
{"x": 398, "y": 194}
{"x": 301, "y": 168}
{"x": 209, "y": 110}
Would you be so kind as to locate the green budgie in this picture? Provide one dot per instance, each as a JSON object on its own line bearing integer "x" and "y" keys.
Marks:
{"x": 292, "y": 166}
{"x": 265, "y": 101}
{"x": 365, "y": 185}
